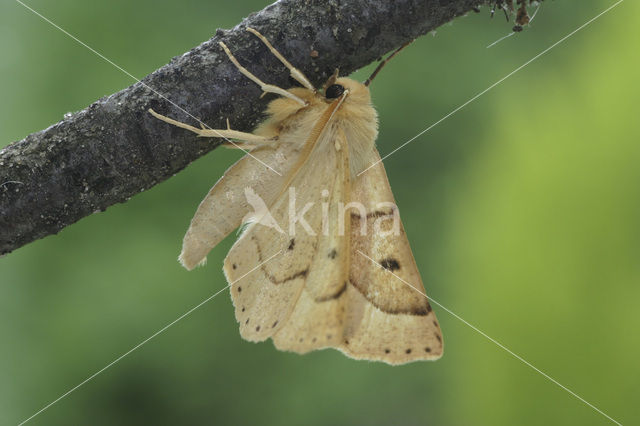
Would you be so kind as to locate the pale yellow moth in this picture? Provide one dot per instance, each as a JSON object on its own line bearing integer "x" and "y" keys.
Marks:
{"x": 341, "y": 275}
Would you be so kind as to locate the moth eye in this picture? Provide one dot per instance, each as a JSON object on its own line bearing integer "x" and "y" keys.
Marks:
{"x": 334, "y": 91}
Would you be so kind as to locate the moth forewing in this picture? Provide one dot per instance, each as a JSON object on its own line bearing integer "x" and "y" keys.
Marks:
{"x": 268, "y": 170}
{"x": 267, "y": 296}
{"x": 224, "y": 207}
{"x": 317, "y": 321}
{"x": 389, "y": 318}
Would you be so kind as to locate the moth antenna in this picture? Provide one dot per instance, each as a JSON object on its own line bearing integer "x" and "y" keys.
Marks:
{"x": 368, "y": 81}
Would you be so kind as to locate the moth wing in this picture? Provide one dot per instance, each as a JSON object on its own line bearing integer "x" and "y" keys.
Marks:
{"x": 277, "y": 299}
{"x": 388, "y": 317}
{"x": 317, "y": 319}
{"x": 224, "y": 207}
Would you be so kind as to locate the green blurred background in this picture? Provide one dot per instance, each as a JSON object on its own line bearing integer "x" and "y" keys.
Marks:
{"x": 522, "y": 210}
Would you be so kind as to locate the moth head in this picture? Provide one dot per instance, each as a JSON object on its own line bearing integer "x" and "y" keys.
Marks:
{"x": 356, "y": 91}
{"x": 335, "y": 88}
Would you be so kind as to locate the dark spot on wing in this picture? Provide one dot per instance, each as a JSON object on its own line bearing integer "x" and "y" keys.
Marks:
{"x": 409, "y": 310}
{"x": 408, "y": 351}
{"x": 292, "y": 244}
{"x": 243, "y": 309}
{"x": 258, "y": 328}
{"x": 332, "y": 254}
{"x": 439, "y": 338}
{"x": 427, "y": 349}
{"x": 429, "y": 307}
{"x": 297, "y": 275}
{"x": 374, "y": 214}
{"x": 274, "y": 280}
{"x": 234, "y": 266}
{"x": 247, "y": 321}
{"x": 421, "y": 312}
{"x": 239, "y": 289}
{"x": 386, "y": 351}
{"x": 390, "y": 264}
{"x": 274, "y": 324}
{"x": 333, "y": 296}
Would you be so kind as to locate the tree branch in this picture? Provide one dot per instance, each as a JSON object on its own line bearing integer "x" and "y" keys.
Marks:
{"x": 114, "y": 149}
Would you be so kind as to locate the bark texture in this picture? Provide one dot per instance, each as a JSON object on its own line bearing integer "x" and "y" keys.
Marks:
{"x": 114, "y": 149}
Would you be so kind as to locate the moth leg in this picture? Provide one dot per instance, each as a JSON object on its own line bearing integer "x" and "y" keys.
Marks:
{"x": 295, "y": 73}
{"x": 267, "y": 88}
{"x": 250, "y": 139}
{"x": 245, "y": 144}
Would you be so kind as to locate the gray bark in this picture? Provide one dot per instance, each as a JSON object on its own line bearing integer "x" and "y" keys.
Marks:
{"x": 114, "y": 149}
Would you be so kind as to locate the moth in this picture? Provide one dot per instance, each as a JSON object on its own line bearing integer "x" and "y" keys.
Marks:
{"x": 323, "y": 260}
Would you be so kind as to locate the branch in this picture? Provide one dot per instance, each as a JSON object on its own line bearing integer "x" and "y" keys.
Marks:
{"x": 114, "y": 149}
